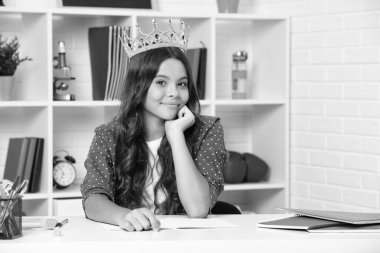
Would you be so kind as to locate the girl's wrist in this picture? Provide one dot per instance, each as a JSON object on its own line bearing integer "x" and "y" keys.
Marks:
{"x": 120, "y": 216}
{"x": 174, "y": 136}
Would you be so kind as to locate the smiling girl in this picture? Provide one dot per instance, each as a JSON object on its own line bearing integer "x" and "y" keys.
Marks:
{"x": 159, "y": 155}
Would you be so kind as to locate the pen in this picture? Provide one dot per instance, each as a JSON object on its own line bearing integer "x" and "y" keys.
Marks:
{"x": 60, "y": 224}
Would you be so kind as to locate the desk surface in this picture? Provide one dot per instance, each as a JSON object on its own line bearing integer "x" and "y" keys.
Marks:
{"x": 83, "y": 235}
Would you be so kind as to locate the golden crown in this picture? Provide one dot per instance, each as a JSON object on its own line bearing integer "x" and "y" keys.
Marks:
{"x": 155, "y": 39}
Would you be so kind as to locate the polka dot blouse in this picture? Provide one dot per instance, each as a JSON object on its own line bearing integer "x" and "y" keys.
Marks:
{"x": 209, "y": 153}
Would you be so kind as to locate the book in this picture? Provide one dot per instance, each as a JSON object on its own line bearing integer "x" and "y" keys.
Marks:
{"x": 27, "y": 172}
{"x": 201, "y": 81}
{"x": 181, "y": 222}
{"x": 16, "y": 158}
{"x": 348, "y": 228}
{"x": 297, "y": 223}
{"x": 34, "y": 182}
{"x": 358, "y": 218}
{"x": 197, "y": 58}
{"x": 99, "y": 47}
{"x": 109, "y": 69}
{"x": 124, "y": 66}
{"x": 193, "y": 55}
{"x": 118, "y": 62}
{"x": 315, "y": 225}
{"x": 124, "y": 59}
{"x": 113, "y": 63}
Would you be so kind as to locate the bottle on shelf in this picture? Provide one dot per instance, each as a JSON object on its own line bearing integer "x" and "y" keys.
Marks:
{"x": 239, "y": 74}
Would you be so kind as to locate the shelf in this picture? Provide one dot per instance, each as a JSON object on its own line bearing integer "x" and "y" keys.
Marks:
{"x": 35, "y": 196}
{"x": 66, "y": 195}
{"x": 251, "y": 102}
{"x": 143, "y": 12}
{"x": 74, "y": 192}
{"x": 253, "y": 186}
{"x": 71, "y": 192}
{"x": 23, "y": 104}
{"x": 86, "y": 103}
{"x": 22, "y": 10}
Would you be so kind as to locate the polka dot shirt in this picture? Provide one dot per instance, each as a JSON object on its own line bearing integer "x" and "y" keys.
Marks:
{"x": 209, "y": 153}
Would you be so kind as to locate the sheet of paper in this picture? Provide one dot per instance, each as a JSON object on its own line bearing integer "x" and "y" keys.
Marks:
{"x": 195, "y": 223}
{"x": 185, "y": 223}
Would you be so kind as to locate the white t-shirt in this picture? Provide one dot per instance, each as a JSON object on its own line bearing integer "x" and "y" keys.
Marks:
{"x": 154, "y": 173}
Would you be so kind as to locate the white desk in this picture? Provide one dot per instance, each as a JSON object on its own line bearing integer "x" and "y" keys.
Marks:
{"x": 82, "y": 235}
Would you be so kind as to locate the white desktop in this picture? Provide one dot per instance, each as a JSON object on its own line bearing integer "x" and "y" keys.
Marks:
{"x": 83, "y": 235}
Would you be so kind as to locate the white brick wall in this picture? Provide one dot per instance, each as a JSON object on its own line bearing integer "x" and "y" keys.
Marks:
{"x": 335, "y": 101}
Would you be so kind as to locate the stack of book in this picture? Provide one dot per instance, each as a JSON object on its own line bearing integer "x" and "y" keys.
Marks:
{"x": 108, "y": 62}
{"x": 24, "y": 160}
{"x": 323, "y": 221}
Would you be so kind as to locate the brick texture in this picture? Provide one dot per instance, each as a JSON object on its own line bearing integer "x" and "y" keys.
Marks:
{"x": 335, "y": 102}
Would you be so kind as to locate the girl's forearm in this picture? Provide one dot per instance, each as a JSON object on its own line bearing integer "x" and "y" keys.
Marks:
{"x": 99, "y": 208}
{"x": 192, "y": 187}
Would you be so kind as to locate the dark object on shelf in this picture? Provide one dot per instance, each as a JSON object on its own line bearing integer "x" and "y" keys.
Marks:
{"x": 222, "y": 207}
{"x": 1, "y": 3}
{"x": 140, "y": 4}
{"x": 198, "y": 62}
{"x": 257, "y": 169}
{"x": 16, "y": 158}
{"x": 34, "y": 182}
{"x": 24, "y": 160}
{"x": 99, "y": 43}
{"x": 235, "y": 170}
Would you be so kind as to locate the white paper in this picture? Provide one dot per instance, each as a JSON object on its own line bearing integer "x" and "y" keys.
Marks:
{"x": 172, "y": 223}
{"x": 184, "y": 223}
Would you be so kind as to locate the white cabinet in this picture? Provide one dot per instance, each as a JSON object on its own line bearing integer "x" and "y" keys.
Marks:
{"x": 258, "y": 124}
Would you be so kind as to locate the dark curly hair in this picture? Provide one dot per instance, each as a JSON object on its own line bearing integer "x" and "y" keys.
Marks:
{"x": 131, "y": 148}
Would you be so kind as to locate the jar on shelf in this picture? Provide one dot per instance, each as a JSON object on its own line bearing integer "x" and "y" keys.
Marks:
{"x": 239, "y": 74}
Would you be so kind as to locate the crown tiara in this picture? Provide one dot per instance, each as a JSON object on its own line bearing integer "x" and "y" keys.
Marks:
{"x": 155, "y": 39}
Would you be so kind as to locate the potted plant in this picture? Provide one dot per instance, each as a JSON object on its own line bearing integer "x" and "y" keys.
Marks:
{"x": 9, "y": 61}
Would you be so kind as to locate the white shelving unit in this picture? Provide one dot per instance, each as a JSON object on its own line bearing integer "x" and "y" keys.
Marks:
{"x": 256, "y": 125}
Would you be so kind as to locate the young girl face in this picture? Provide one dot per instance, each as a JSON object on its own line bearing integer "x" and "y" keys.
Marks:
{"x": 168, "y": 92}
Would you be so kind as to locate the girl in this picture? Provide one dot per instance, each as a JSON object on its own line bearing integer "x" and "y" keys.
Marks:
{"x": 158, "y": 156}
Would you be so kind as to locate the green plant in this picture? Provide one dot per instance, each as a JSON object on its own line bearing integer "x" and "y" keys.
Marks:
{"x": 9, "y": 56}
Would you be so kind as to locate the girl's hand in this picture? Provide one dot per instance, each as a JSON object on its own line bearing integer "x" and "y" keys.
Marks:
{"x": 185, "y": 120}
{"x": 138, "y": 220}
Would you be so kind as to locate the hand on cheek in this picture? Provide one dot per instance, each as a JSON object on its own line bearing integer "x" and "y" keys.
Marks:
{"x": 177, "y": 126}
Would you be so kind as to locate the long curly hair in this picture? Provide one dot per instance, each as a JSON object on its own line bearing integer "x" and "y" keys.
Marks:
{"x": 132, "y": 152}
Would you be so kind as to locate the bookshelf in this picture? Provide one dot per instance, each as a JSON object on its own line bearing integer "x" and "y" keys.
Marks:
{"x": 259, "y": 124}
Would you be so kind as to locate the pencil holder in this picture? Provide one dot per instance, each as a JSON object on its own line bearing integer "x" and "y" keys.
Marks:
{"x": 10, "y": 218}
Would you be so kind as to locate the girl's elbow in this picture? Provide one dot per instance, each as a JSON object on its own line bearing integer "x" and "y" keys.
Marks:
{"x": 197, "y": 213}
